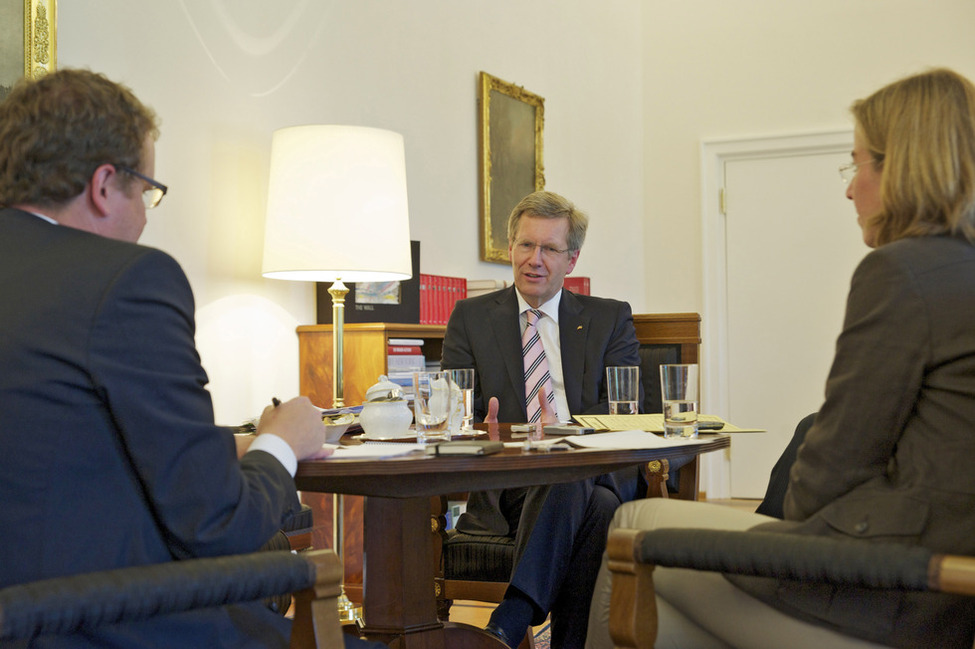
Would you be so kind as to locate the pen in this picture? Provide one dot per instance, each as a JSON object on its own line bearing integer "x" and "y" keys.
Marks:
{"x": 275, "y": 402}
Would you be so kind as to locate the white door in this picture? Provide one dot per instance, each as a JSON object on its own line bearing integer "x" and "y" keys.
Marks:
{"x": 790, "y": 243}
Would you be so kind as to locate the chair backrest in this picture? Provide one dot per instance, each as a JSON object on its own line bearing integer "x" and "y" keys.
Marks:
{"x": 664, "y": 338}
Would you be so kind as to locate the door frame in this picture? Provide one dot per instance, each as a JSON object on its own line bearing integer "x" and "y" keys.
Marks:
{"x": 716, "y": 475}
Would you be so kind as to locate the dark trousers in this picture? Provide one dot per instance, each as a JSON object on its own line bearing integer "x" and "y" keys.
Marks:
{"x": 778, "y": 483}
{"x": 558, "y": 554}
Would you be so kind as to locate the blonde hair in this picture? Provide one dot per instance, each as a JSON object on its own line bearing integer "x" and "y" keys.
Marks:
{"x": 921, "y": 133}
{"x": 550, "y": 205}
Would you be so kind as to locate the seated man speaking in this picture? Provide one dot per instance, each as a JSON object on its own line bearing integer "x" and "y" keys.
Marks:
{"x": 539, "y": 354}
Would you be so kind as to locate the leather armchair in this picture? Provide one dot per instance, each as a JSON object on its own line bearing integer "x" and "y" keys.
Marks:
{"x": 633, "y": 554}
{"x": 67, "y": 605}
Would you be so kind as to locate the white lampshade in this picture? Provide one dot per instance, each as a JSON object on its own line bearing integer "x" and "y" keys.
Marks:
{"x": 336, "y": 205}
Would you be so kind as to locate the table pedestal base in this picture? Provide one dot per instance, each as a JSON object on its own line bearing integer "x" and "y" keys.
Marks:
{"x": 399, "y": 602}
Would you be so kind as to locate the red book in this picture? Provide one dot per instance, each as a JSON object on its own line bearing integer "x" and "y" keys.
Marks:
{"x": 578, "y": 285}
{"x": 460, "y": 292}
{"x": 404, "y": 350}
{"x": 440, "y": 317}
{"x": 437, "y": 299}
{"x": 425, "y": 299}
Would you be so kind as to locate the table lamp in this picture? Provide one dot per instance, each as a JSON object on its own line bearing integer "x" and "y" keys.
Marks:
{"x": 337, "y": 210}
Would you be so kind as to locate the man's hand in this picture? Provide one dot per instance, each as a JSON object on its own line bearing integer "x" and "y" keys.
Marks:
{"x": 298, "y": 423}
{"x": 492, "y": 413}
{"x": 549, "y": 416}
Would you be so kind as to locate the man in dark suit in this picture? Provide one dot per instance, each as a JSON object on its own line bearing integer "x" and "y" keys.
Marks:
{"x": 560, "y": 531}
{"x": 110, "y": 456}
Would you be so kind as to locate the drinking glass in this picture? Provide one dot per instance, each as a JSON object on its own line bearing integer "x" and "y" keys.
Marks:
{"x": 462, "y": 413}
{"x": 679, "y": 387}
{"x": 623, "y": 389}
{"x": 431, "y": 406}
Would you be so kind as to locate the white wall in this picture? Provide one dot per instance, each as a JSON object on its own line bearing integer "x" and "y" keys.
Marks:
{"x": 714, "y": 68}
{"x": 717, "y": 69}
{"x": 224, "y": 75}
{"x": 631, "y": 90}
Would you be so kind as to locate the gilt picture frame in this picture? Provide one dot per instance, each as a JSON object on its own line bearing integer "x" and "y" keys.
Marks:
{"x": 28, "y": 40}
{"x": 510, "y": 141}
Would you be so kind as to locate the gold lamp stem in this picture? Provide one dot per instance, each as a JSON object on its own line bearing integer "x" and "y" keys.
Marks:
{"x": 338, "y": 291}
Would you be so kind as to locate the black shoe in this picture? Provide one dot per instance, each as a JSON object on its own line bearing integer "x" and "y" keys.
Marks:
{"x": 499, "y": 633}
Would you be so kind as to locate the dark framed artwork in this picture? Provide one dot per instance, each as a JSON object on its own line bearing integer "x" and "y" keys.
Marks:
{"x": 510, "y": 139}
{"x": 28, "y": 40}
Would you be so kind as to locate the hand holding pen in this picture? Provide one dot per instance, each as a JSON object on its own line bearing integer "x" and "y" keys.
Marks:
{"x": 298, "y": 423}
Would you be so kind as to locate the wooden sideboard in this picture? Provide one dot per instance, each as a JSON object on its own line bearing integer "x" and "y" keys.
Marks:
{"x": 364, "y": 356}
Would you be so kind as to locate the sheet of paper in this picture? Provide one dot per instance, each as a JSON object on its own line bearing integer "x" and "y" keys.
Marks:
{"x": 373, "y": 451}
{"x": 630, "y": 439}
{"x": 541, "y": 444}
{"x": 652, "y": 422}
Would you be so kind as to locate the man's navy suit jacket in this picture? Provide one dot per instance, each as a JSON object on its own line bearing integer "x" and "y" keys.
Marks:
{"x": 484, "y": 333}
{"x": 109, "y": 455}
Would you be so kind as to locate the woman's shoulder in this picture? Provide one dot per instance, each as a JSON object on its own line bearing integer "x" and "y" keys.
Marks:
{"x": 921, "y": 254}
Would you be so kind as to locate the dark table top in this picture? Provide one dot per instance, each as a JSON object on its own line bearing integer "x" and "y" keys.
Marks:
{"x": 428, "y": 475}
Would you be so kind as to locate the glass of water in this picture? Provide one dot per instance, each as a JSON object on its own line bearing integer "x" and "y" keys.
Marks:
{"x": 431, "y": 406}
{"x": 623, "y": 389}
{"x": 680, "y": 388}
{"x": 462, "y": 413}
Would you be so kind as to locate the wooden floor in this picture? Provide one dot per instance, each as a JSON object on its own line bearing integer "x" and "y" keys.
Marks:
{"x": 477, "y": 613}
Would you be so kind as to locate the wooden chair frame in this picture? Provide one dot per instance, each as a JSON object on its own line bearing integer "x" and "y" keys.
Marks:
{"x": 633, "y": 555}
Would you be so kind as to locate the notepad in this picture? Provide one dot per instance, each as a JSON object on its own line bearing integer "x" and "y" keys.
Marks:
{"x": 652, "y": 422}
{"x": 467, "y": 447}
{"x": 372, "y": 451}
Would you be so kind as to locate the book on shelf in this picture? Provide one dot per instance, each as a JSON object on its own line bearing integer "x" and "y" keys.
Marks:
{"x": 477, "y": 287}
{"x": 406, "y": 363}
{"x": 404, "y": 350}
{"x": 576, "y": 284}
{"x": 438, "y": 295}
{"x": 406, "y": 342}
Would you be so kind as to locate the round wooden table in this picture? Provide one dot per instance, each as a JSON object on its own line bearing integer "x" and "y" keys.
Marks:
{"x": 399, "y": 601}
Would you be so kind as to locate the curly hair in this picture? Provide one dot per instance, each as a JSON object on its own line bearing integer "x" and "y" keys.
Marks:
{"x": 550, "y": 205}
{"x": 56, "y": 130}
{"x": 921, "y": 132}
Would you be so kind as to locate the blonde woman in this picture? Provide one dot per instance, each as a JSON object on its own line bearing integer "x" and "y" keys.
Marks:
{"x": 889, "y": 455}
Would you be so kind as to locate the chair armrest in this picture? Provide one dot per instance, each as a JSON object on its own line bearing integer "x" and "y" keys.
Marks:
{"x": 633, "y": 555}
{"x": 69, "y": 604}
{"x": 792, "y": 556}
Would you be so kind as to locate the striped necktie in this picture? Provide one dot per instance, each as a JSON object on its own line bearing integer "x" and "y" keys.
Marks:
{"x": 536, "y": 367}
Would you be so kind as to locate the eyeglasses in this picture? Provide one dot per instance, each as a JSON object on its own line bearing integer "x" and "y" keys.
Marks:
{"x": 848, "y": 171}
{"x": 527, "y": 248}
{"x": 152, "y": 195}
